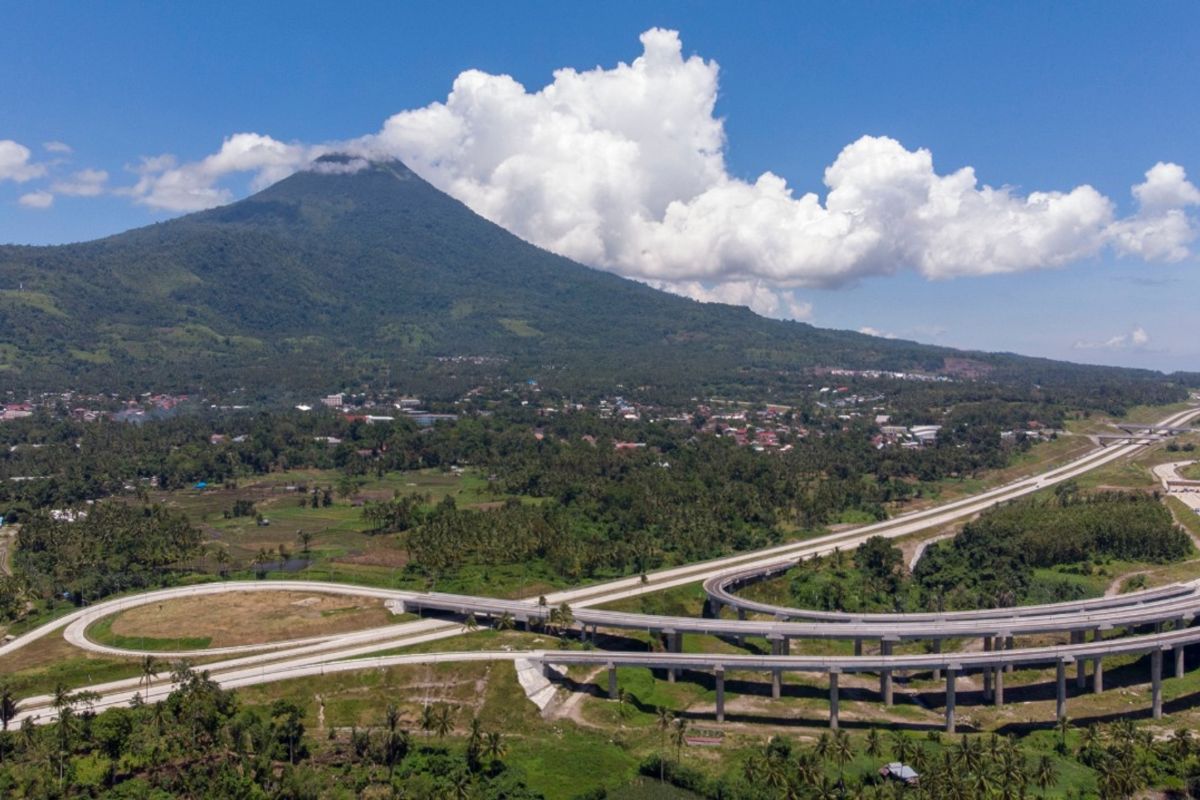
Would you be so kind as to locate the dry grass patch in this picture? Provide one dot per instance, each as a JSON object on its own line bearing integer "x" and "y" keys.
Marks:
{"x": 252, "y": 618}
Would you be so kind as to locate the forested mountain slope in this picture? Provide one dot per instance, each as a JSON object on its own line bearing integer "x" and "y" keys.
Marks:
{"x": 332, "y": 276}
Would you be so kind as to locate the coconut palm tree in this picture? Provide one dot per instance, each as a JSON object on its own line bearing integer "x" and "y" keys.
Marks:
{"x": 443, "y": 723}
{"x": 566, "y": 617}
{"x": 470, "y": 624}
{"x": 149, "y": 670}
{"x": 808, "y": 770}
{"x": 824, "y": 746}
{"x": 474, "y": 732}
{"x": 680, "y": 736}
{"x": 1045, "y": 774}
{"x": 395, "y": 745}
{"x": 8, "y": 706}
{"x": 428, "y": 719}
{"x": 901, "y": 746}
{"x": 874, "y": 743}
{"x": 663, "y": 718}
{"x": 842, "y": 752}
{"x": 1063, "y": 726}
{"x": 494, "y": 746}
{"x": 505, "y": 622}
{"x": 826, "y": 790}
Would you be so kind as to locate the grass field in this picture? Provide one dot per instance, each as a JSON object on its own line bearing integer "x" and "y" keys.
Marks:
{"x": 239, "y": 618}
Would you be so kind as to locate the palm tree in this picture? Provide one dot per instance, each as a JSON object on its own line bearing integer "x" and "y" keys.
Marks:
{"x": 1064, "y": 727}
{"x": 505, "y": 622}
{"x": 396, "y": 743}
{"x": 149, "y": 669}
{"x": 842, "y": 751}
{"x": 680, "y": 736}
{"x": 444, "y": 721}
{"x": 223, "y": 559}
{"x": 1045, "y": 774}
{"x": 826, "y": 791}
{"x": 808, "y": 768}
{"x": 663, "y": 718}
{"x": 874, "y": 743}
{"x": 470, "y": 624}
{"x": 428, "y": 719}
{"x": 305, "y": 541}
{"x": 566, "y": 617}
{"x": 8, "y": 706}
{"x": 474, "y": 732}
{"x": 460, "y": 785}
{"x": 1013, "y": 773}
{"x": 901, "y": 747}
{"x": 823, "y": 747}
{"x": 494, "y": 746}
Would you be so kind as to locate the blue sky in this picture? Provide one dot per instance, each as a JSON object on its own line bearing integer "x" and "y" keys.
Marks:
{"x": 1036, "y": 97}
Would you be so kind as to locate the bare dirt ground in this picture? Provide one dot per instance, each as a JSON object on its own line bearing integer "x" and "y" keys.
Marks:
{"x": 249, "y": 618}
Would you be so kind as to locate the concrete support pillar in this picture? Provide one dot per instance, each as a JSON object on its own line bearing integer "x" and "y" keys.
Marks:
{"x": 741, "y": 638}
{"x": 1080, "y": 664}
{"x": 777, "y": 646}
{"x": 1009, "y": 644}
{"x": 1179, "y": 665}
{"x": 885, "y": 675}
{"x": 999, "y": 691}
{"x": 858, "y": 647}
{"x": 719, "y": 676}
{"x": 1061, "y": 690}
{"x": 1097, "y": 674}
{"x": 833, "y": 699}
{"x": 612, "y": 681}
{"x": 674, "y": 645}
{"x": 1158, "y": 627}
{"x": 1156, "y": 683}
{"x": 951, "y": 675}
{"x": 937, "y": 648}
{"x": 987, "y": 671}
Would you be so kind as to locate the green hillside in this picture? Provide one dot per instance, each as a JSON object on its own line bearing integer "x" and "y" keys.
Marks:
{"x": 324, "y": 278}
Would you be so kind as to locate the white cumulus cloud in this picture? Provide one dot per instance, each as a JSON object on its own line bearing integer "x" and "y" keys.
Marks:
{"x": 624, "y": 168}
{"x": 15, "y": 163}
{"x": 869, "y": 331}
{"x": 37, "y": 200}
{"x": 1136, "y": 338}
{"x": 755, "y": 294}
{"x": 166, "y": 184}
{"x": 57, "y": 147}
{"x": 85, "y": 183}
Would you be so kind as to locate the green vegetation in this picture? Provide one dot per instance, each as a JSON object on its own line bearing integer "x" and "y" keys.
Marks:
{"x": 102, "y": 633}
{"x": 995, "y": 560}
{"x": 110, "y": 547}
{"x": 1028, "y": 552}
